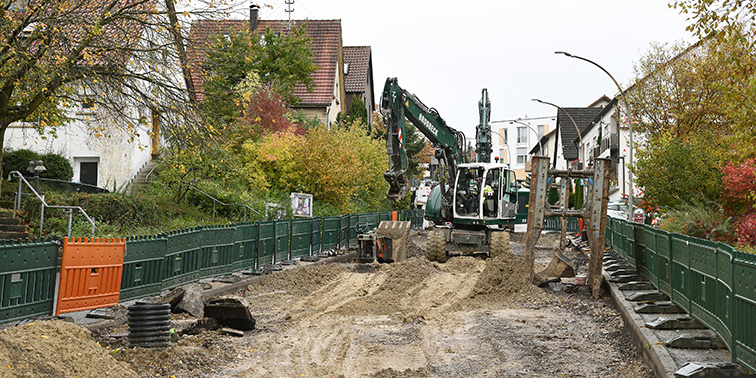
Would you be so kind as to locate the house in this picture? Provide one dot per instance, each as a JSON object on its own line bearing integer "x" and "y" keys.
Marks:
{"x": 106, "y": 146}
{"x": 328, "y": 96}
{"x": 518, "y": 136}
{"x": 358, "y": 76}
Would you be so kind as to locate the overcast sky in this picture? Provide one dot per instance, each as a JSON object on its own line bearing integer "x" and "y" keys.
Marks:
{"x": 445, "y": 52}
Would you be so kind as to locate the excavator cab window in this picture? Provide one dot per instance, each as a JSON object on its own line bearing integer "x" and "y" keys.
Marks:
{"x": 492, "y": 193}
{"x": 467, "y": 197}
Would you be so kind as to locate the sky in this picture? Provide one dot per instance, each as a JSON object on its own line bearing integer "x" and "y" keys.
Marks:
{"x": 446, "y": 52}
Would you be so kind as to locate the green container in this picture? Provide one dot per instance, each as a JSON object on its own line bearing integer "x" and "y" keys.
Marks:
{"x": 183, "y": 257}
{"x": 282, "y": 229}
{"x": 301, "y": 237}
{"x": 265, "y": 242}
{"x": 28, "y": 276}
{"x": 143, "y": 267}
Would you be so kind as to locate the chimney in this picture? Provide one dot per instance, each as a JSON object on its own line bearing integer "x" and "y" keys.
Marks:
{"x": 253, "y": 11}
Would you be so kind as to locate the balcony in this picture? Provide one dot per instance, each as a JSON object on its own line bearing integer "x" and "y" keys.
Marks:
{"x": 610, "y": 142}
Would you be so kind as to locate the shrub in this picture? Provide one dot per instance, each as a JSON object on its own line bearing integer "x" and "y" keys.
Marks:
{"x": 58, "y": 167}
{"x": 701, "y": 221}
{"x": 18, "y": 160}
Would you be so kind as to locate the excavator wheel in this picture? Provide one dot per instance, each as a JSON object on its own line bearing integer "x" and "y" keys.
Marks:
{"x": 499, "y": 243}
{"x": 436, "y": 246}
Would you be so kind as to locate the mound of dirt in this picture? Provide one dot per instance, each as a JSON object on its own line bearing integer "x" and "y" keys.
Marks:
{"x": 394, "y": 286}
{"x": 301, "y": 280}
{"x": 54, "y": 348}
{"x": 503, "y": 282}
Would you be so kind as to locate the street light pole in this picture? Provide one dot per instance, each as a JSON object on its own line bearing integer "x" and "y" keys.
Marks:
{"x": 580, "y": 147}
{"x": 509, "y": 153}
{"x": 521, "y": 123}
{"x": 619, "y": 119}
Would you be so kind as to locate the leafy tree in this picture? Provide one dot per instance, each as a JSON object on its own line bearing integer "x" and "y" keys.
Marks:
{"x": 109, "y": 53}
{"x": 709, "y": 16}
{"x": 242, "y": 62}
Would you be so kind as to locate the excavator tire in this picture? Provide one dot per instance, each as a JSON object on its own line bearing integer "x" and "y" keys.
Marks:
{"x": 436, "y": 246}
{"x": 499, "y": 243}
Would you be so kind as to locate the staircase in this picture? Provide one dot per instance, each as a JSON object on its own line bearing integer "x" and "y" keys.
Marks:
{"x": 140, "y": 180}
{"x": 11, "y": 227}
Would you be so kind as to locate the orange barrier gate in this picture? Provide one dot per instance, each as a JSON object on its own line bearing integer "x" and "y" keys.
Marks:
{"x": 394, "y": 215}
{"x": 90, "y": 274}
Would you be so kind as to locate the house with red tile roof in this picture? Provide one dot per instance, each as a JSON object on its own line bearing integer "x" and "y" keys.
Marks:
{"x": 328, "y": 95}
{"x": 358, "y": 76}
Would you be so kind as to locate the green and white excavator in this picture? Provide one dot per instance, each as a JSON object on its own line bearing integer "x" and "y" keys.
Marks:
{"x": 474, "y": 203}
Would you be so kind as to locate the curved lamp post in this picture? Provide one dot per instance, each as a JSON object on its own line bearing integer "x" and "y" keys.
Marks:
{"x": 629, "y": 123}
{"x": 580, "y": 147}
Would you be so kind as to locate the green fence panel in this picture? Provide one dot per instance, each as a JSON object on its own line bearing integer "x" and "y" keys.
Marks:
{"x": 344, "y": 231}
{"x": 553, "y": 224}
{"x": 331, "y": 230}
{"x": 385, "y": 216}
{"x": 650, "y": 266}
{"x": 617, "y": 239}
{"x": 316, "y": 239}
{"x": 681, "y": 271}
{"x": 664, "y": 261}
{"x": 301, "y": 237}
{"x": 628, "y": 231}
{"x": 706, "y": 283}
{"x": 265, "y": 242}
{"x": 354, "y": 219}
{"x": 143, "y": 269}
{"x": 640, "y": 246}
{"x": 245, "y": 243}
{"x": 182, "y": 257}
{"x": 417, "y": 219}
{"x": 27, "y": 278}
{"x": 218, "y": 252}
{"x": 744, "y": 285}
{"x": 608, "y": 232}
{"x": 282, "y": 230}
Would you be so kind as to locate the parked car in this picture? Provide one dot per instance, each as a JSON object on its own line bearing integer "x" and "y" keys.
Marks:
{"x": 618, "y": 210}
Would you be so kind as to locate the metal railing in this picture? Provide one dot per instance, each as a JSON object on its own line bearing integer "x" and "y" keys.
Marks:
{"x": 215, "y": 200}
{"x": 68, "y": 209}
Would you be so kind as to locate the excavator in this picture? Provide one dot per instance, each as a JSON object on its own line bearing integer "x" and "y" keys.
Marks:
{"x": 474, "y": 202}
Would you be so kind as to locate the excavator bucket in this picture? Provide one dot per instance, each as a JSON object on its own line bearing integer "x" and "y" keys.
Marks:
{"x": 393, "y": 236}
{"x": 397, "y": 185}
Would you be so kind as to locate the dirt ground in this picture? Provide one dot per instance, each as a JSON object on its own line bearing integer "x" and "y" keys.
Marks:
{"x": 469, "y": 317}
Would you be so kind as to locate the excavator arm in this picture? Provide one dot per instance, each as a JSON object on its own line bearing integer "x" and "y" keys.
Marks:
{"x": 483, "y": 145}
{"x": 397, "y": 106}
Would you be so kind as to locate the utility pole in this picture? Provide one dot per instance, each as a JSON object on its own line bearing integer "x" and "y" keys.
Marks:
{"x": 289, "y": 9}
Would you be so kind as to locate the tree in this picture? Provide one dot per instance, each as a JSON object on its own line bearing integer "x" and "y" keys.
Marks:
{"x": 694, "y": 110}
{"x": 240, "y": 64}
{"x": 709, "y": 16}
{"x": 114, "y": 55}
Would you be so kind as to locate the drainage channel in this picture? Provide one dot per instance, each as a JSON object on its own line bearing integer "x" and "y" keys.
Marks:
{"x": 672, "y": 342}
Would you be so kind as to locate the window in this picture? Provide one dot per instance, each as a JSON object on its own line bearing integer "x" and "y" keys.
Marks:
{"x": 503, "y": 136}
{"x": 522, "y": 135}
{"x": 541, "y": 130}
{"x": 522, "y": 155}
{"x": 346, "y": 68}
{"x": 501, "y": 155}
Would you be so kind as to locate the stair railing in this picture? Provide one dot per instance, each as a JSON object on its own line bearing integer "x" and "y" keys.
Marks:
{"x": 215, "y": 200}
{"x": 68, "y": 209}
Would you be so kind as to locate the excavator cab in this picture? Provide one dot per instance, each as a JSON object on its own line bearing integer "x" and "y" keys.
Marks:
{"x": 485, "y": 191}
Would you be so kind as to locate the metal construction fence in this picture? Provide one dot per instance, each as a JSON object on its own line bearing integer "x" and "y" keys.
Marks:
{"x": 713, "y": 282}
{"x": 30, "y": 270}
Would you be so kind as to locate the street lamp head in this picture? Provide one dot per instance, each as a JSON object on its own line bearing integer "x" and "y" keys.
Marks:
{"x": 32, "y": 165}
{"x": 564, "y": 53}
{"x": 39, "y": 167}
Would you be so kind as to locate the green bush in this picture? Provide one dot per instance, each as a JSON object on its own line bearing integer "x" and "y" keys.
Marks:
{"x": 58, "y": 167}
{"x": 18, "y": 160}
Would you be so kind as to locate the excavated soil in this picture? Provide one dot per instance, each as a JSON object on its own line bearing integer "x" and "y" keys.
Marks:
{"x": 469, "y": 317}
